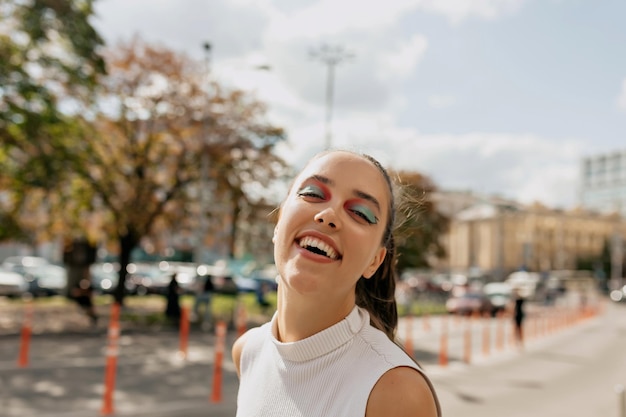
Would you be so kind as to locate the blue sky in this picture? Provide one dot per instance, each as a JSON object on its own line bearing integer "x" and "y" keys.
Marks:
{"x": 493, "y": 96}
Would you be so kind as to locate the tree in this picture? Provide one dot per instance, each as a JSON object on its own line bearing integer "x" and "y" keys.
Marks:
{"x": 419, "y": 233}
{"x": 599, "y": 264}
{"x": 48, "y": 59}
{"x": 136, "y": 164}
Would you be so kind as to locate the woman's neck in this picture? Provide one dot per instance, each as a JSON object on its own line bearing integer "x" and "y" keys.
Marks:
{"x": 299, "y": 317}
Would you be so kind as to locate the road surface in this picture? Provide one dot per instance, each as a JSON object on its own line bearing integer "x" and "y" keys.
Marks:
{"x": 567, "y": 368}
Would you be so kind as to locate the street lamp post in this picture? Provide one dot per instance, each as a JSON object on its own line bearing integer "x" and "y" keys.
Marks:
{"x": 204, "y": 171}
{"x": 331, "y": 56}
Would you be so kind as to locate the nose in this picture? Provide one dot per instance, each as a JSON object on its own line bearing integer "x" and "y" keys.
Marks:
{"x": 329, "y": 217}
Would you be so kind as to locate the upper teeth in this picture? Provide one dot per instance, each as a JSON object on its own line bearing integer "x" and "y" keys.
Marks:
{"x": 317, "y": 243}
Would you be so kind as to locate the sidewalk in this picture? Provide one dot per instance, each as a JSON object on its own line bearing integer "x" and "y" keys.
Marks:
{"x": 70, "y": 318}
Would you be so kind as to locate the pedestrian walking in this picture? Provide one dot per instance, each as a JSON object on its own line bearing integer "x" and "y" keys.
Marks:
{"x": 172, "y": 308}
{"x": 202, "y": 302}
{"x": 518, "y": 317}
{"x": 330, "y": 348}
{"x": 83, "y": 295}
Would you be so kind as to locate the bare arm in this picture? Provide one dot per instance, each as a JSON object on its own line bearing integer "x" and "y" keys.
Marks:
{"x": 401, "y": 392}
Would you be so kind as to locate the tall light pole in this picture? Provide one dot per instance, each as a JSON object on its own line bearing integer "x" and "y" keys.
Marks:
{"x": 331, "y": 56}
{"x": 204, "y": 168}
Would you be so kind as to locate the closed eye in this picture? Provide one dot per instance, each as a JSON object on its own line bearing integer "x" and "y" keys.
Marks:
{"x": 312, "y": 191}
{"x": 364, "y": 212}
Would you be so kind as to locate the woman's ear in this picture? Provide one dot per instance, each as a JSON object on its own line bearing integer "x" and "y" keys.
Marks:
{"x": 376, "y": 261}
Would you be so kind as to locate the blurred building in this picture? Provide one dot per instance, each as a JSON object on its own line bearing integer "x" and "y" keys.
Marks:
{"x": 499, "y": 238}
{"x": 603, "y": 182}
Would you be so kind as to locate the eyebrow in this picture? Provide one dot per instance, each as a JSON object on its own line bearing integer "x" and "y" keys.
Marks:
{"x": 358, "y": 193}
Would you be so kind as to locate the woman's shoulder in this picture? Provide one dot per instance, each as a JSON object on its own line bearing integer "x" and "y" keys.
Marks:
{"x": 402, "y": 391}
{"x": 250, "y": 337}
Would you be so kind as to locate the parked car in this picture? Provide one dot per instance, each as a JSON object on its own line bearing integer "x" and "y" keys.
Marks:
{"x": 469, "y": 303}
{"x": 104, "y": 277}
{"x": 42, "y": 277}
{"x": 500, "y": 295}
{"x": 12, "y": 284}
{"x": 618, "y": 295}
{"x": 265, "y": 274}
{"x": 20, "y": 264}
{"x": 47, "y": 280}
{"x": 186, "y": 275}
{"x": 225, "y": 280}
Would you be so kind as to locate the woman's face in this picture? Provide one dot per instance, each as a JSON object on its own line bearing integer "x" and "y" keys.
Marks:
{"x": 331, "y": 225}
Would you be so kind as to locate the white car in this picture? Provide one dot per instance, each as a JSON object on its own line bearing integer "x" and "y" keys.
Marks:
{"x": 22, "y": 263}
{"x": 12, "y": 284}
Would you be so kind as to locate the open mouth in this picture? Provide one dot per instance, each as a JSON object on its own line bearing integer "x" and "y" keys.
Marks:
{"x": 318, "y": 247}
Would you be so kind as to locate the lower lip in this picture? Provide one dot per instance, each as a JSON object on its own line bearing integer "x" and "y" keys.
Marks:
{"x": 312, "y": 256}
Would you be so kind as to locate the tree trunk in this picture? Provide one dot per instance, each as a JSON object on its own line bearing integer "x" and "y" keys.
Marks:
{"x": 236, "y": 205}
{"x": 127, "y": 241}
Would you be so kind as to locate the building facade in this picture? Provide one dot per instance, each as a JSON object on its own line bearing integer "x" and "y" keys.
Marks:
{"x": 603, "y": 182}
{"x": 499, "y": 238}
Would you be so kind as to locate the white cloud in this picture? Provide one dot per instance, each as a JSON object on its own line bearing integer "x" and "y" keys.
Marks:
{"x": 332, "y": 17}
{"x": 326, "y": 18}
{"x": 458, "y": 10}
{"x": 526, "y": 168}
{"x": 402, "y": 61}
{"x": 369, "y": 89}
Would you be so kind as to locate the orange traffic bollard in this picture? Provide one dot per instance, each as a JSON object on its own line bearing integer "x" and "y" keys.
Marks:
{"x": 22, "y": 360}
{"x": 241, "y": 319}
{"x": 111, "y": 365}
{"x": 184, "y": 332}
{"x": 216, "y": 391}
{"x": 499, "y": 332}
{"x": 408, "y": 338}
{"x": 467, "y": 354}
{"x": 486, "y": 337}
{"x": 443, "y": 348}
{"x": 425, "y": 322}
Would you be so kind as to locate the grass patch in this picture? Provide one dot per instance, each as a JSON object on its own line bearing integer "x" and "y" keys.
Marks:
{"x": 422, "y": 307}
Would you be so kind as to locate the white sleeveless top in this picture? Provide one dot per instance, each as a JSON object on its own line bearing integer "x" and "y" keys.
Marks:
{"x": 329, "y": 374}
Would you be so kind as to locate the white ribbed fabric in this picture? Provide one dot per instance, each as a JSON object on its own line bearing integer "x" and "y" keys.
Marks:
{"x": 328, "y": 374}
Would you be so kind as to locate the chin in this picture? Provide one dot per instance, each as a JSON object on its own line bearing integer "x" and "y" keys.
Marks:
{"x": 302, "y": 280}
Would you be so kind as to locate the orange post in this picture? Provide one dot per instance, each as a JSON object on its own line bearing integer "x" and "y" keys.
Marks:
{"x": 216, "y": 391}
{"x": 241, "y": 319}
{"x": 443, "y": 348}
{"x": 467, "y": 351}
{"x": 486, "y": 338}
{"x": 425, "y": 322}
{"x": 22, "y": 360}
{"x": 408, "y": 339}
{"x": 500, "y": 332}
{"x": 111, "y": 365}
{"x": 184, "y": 331}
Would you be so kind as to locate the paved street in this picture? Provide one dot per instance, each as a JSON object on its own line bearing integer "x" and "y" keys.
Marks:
{"x": 572, "y": 373}
{"x": 569, "y": 371}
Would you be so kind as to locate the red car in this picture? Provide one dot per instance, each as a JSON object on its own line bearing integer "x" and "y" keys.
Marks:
{"x": 469, "y": 303}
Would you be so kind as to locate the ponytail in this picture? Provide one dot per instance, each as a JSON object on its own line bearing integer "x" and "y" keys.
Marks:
{"x": 377, "y": 293}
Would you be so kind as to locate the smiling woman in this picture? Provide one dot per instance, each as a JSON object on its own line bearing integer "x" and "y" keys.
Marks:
{"x": 330, "y": 348}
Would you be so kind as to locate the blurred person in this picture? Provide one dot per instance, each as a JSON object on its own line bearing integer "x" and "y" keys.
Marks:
{"x": 518, "y": 317}
{"x": 172, "y": 308}
{"x": 261, "y": 296}
{"x": 204, "y": 296}
{"x": 330, "y": 348}
{"x": 83, "y": 296}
